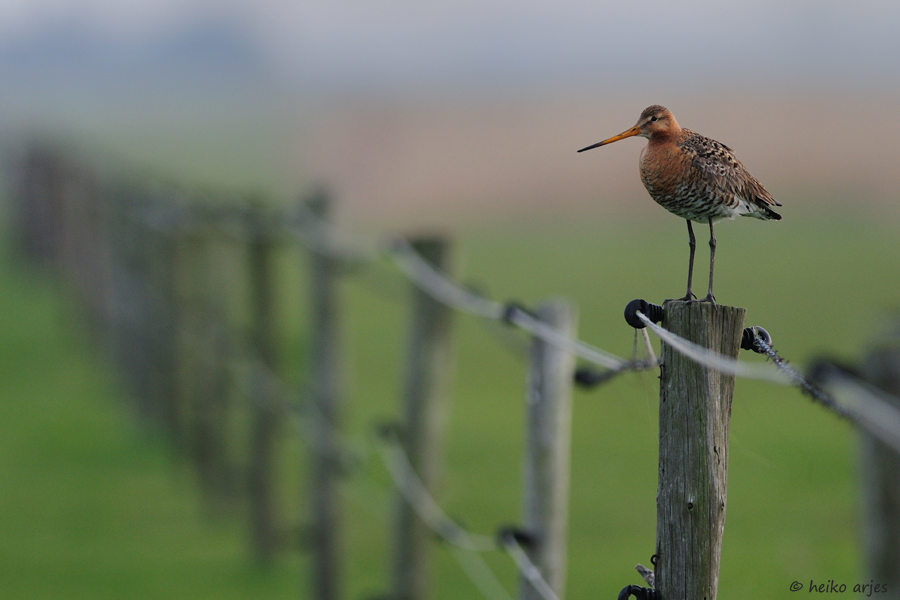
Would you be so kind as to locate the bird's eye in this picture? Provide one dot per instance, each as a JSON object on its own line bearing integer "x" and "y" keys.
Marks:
{"x": 654, "y": 119}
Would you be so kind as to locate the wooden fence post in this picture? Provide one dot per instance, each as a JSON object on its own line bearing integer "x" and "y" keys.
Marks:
{"x": 208, "y": 381}
{"x": 694, "y": 414}
{"x": 39, "y": 208}
{"x": 880, "y": 470}
{"x": 133, "y": 347}
{"x": 549, "y": 422}
{"x": 160, "y": 315}
{"x": 265, "y": 412}
{"x": 325, "y": 395}
{"x": 422, "y": 432}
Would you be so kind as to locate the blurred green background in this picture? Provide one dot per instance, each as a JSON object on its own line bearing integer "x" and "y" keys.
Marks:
{"x": 462, "y": 118}
{"x": 95, "y": 505}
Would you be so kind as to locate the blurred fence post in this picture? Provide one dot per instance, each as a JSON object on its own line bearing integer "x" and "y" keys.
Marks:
{"x": 421, "y": 434}
{"x": 39, "y": 207}
{"x": 133, "y": 308}
{"x": 880, "y": 470}
{"x": 324, "y": 363}
{"x": 549, "y": 423}
{"x": 694, "y": 414}
{"x": 82, "y": 239}
{"x": 210, "y": 352}
{"x": 265, "y": 410}
{"x": 162, "y": 319}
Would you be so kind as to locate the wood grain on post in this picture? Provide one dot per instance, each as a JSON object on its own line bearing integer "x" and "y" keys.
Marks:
{"x": 424, "y": 408}
{"x": 694, "y": 414}
{"x": 325, "y": 394}
{"x": 549, "y": 422}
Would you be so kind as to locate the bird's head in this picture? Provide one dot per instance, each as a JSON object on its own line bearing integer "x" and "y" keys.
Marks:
{"x": 655, "y": 121}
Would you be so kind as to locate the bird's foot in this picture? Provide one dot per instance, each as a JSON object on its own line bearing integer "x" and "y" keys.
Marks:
{"x": 709, "y": 298}
{"x": 692, "y": 298}
{"x": 689, "y": 297}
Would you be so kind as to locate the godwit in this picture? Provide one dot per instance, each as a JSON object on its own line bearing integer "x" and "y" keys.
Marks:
{"x": 696, "y": 178}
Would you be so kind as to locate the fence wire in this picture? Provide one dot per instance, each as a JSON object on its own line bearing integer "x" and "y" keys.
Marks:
{"x": 445, "y": 290}
{"x": 870, "y": 409}
{"x": 713, "y": 359}
{"x": 413, "y": 491}
{"x": 528, "y": 569}
{"x": 850, "y": 398}
{"x": 465, "y": 546}
{"x": 874, "y": 410}
{"x": 263, "y": 388}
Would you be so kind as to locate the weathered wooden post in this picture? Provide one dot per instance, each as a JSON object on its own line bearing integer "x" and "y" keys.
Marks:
{"x": 40, "y": 218}
{"x": 880, "y": 470}
{"x": 208, "y": 342}
{"x": 161, "y": 309}
{"x": 133, "y": 350}
{"x": 183, "y": 300}
{"x": 549, "y": 421}
{"x": 694, "y": 414}
{"x": 421, "y": 434}
{"x": 265, "y": 411}
{"x": 324, "y": 375}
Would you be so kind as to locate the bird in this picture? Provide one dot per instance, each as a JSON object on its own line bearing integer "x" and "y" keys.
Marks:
{"x": 695, "y": 178}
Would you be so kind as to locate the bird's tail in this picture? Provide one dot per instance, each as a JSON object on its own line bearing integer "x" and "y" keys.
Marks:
{"x": 763, "y": 213}
{"x": 769, "y": 214}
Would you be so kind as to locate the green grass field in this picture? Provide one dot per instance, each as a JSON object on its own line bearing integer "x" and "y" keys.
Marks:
{"x": 96, "y": 506}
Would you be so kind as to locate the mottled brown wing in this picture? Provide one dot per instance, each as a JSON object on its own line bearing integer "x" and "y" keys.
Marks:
{"x": 721, "y": 170}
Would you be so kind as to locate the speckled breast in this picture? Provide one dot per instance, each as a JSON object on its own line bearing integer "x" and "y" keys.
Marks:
{"x": 675, "y": 186}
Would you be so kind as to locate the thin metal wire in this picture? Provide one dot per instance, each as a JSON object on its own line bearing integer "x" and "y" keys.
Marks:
{"x": 649, "y": 347}
{"x": 320, "y": 236}
{"x": 714, "y": 360}
{"x": 324, "y": 238}
{"x": 441, "y": 287}
{"x": 528, "y": 569}
{"x": 866, "y": 406}
{"x": 479, "y": 573}
{"x": 465, "y": 547}
{"x": 551, "y": 335}
{"x": 850, "y": 399}
{"x": 800, "y": 381}
{"x": 413, "y": 491}
{"x": 310, "y": 421}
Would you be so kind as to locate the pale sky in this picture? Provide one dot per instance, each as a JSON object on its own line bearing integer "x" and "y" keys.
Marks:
{"x": 397, "y": 39}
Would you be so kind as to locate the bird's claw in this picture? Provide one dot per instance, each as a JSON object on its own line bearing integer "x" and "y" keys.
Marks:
{"x": 689, "y": 297}
{"x": 641, "y": 593}
{"x": 709, "y": 298}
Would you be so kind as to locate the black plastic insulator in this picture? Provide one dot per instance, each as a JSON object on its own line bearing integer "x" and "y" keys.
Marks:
{"x": 749, "y": 336}
{"x": 654, "y": 312}
{"x": 511, "y": 533}
{"x": 510, "y": 310}
{"x": 641, "y": 593}
{"x": 586, "y": 377}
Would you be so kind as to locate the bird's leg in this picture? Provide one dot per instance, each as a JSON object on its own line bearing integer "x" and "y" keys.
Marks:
{"x": 692, "y": 242}
{"x": 712, "y": 259}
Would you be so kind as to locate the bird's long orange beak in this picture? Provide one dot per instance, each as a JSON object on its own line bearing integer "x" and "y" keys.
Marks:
{"x": 636, "y": 130}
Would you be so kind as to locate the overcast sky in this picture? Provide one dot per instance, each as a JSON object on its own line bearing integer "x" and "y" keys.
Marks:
{"x": 409, "y": 39}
